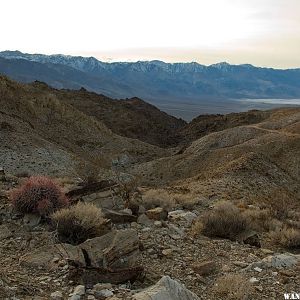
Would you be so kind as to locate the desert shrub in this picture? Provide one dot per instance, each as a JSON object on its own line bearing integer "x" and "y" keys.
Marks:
{"x": 127, "y": 187}
{"x": 90, "y": 169}
{"x": 224, "y": 221}
{"x": 196, "y": 228}
{"x": 258, "y": 219}
{"x": 158, "y": 198}
{"x": 286, "y": 237}
{"x": 79, "y": 222}
{"x": 232, "y": 287}
{"x": 38, "y": 195}
{"x": 279, "y": 203}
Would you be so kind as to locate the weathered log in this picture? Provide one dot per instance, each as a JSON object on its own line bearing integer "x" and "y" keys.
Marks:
{"x": 91, "y": 188}
{"x": 117, "y": 217}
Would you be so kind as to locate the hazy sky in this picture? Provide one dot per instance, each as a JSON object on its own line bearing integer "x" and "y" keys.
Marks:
{"x": 261, "y": 32}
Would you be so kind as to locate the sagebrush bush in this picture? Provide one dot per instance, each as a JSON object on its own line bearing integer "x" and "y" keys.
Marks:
{"x": 286, "y": 237}
{"x": 224, "y": 221}
{"x": 38, "y": 195}
{"x": 258, "y": 219}
{"x": 158, "y": 198}
{"x": 233, "y": 287}
{"x": 80, "y": 222}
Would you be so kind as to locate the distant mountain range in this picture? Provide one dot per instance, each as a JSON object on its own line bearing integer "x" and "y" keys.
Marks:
{"x": 153, "y": 80}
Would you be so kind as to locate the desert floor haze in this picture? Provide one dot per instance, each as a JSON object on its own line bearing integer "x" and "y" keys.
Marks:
{"x": 115, "y": 199}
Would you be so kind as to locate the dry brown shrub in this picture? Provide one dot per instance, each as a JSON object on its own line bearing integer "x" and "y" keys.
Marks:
{"x": 89, "y": 170}
{"x": 286, "y": 237}
{"x": 158, "y": 198}
{"x": 196, "y": 228}
{"x": 232, "y": 287}
{"x": 224, "y": 221}
{"x": 258, "y": 219}
{"x": 279, "y": 203}
{"x": 79, "y": 222}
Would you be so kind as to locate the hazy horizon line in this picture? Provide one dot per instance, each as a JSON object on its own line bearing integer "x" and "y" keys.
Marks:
{"x": 111, "y": 60}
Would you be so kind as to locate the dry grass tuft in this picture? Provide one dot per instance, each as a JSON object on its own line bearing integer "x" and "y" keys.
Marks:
{"x": 224, "y": 221}
{"x": 232, "y": 287}
{"x": 158, "y": 198}
{"x": 286, "y": 237}
{"x": 258, "y": 219}
{"x": 79, "y": 223}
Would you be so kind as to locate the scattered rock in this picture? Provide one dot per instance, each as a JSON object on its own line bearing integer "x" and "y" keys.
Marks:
{"x": 79, "y": 290}
{"x": 104, "y": 293}
{"x": 205, "y": 268}
{"x": 182, "y": 215}
{"x": 157, "y": 213}
{"x": 251, "y": 238}
{"x": 4, "y": 232}
{"x": 31, "y": 220}
{"x": 240, "y": 264}
{"x": 56, "y": 295}
{"x": 167, "y": 252}
{"x": 102, "y": 286}
{"x": 144, "y": 220}
{"x": 118, "y": 217}
{"x": 166, "y": 289}
{"x": 284, "y": 260}
{"x": 253, "y": 280}
{"x": 42, "y": 258}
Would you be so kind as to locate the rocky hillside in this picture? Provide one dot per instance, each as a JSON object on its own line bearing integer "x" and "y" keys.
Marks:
{"x": 242, "y": 162}
{"x": 205, "y": 210}
{"x": 42, "y": 134}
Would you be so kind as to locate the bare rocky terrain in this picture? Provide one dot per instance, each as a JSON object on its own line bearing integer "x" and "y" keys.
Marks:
{"x": 159, "y": 244}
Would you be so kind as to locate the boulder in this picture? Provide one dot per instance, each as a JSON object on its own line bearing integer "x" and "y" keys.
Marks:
{"x": 43, "y": 257}
{"x": 283, "y": 260}
{"x": 166, "y": 289}
{"x": 116, "y": 249}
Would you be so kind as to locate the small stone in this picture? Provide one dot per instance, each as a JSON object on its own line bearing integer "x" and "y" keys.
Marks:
{"x": 75, "y": 297}
{"x": 167, "y": 252}
{"x": 259, "y": 288}
{"x": 102, "y": 286}
{"x": 253, "y": 280}
{"x": 205, "y": 268}
{"x": 104, "y": 293}
{"x": 240, "y": 264}
{"x": 31, "y": 220}
{"x": 91, "y": 297}
{"x": 79, "y": 290}
{"x": 266, "y": 251}
{"x": 56, "y": 295}
{"x": 257, "y": 269}
{"x": 4, "y": 232}
{"x": 157, "y": 213}
{"x": 144, "y": 220}
{"x": 158, "y": 224}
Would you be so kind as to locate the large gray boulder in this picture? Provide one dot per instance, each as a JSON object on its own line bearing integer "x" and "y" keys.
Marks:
{"x": 166, "y": 289}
